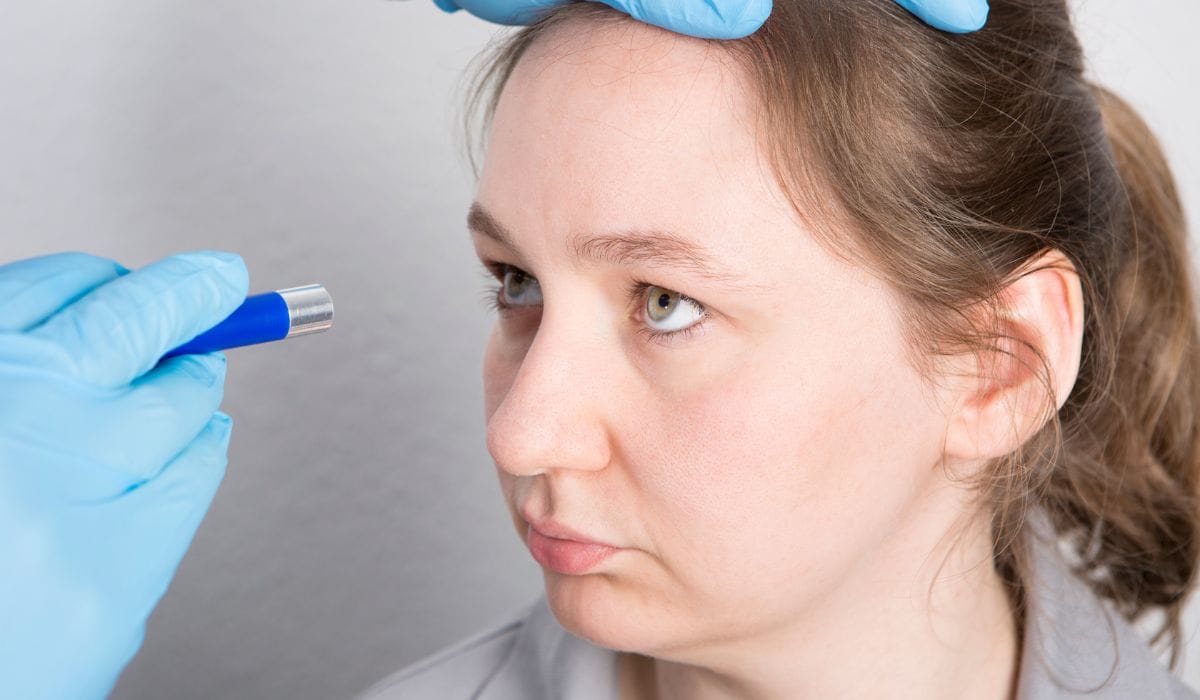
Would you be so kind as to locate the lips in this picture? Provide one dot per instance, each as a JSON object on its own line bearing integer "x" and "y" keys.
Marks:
{"x": 564, "y": 550}
{"x": 558, "y": 531}
{"x": 566, "y": 556}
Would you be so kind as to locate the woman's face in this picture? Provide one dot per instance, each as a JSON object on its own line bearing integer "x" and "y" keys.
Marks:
{"x": 776, "y": 451}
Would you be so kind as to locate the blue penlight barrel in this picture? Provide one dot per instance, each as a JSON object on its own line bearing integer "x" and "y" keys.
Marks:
{"x": 263, "y": 318}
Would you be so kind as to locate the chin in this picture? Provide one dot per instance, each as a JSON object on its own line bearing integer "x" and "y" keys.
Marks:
{"x": 602, "y": 609}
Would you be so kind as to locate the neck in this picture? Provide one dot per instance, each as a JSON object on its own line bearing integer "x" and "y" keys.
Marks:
{"x": 926, "y": 616}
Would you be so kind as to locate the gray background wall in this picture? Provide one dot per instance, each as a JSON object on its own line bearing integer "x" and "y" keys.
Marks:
{"x": 359, "y": 526}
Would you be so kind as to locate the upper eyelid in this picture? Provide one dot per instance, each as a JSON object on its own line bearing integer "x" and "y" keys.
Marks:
{"x": 497, "y": 269}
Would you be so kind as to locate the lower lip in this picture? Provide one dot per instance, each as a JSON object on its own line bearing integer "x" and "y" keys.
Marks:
{"x": 566, "y": 556}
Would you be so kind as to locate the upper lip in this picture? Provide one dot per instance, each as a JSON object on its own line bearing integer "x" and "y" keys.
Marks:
{"x": 556, "y": 530}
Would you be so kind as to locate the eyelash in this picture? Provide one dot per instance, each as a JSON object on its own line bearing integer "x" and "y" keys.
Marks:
{"x": 637, "y": 289}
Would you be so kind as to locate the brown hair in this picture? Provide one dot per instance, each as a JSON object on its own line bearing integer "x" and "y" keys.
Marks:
{"x": 956, "y": 159}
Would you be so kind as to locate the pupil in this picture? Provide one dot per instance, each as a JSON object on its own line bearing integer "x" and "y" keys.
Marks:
{"x": 664, "y": 300}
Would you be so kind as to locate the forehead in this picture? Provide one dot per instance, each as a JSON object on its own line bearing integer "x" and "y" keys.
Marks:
{"x": 616, "y": 125}
{"x": 613, "y": 65}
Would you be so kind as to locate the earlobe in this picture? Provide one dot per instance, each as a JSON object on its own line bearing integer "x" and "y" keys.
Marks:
{"x": 1008, "y": 398}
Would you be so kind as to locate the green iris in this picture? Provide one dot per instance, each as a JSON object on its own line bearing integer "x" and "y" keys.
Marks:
{"x": 660, "y": 303}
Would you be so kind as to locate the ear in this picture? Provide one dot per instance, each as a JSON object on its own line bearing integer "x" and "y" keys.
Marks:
{"x": 1003, "y": 400}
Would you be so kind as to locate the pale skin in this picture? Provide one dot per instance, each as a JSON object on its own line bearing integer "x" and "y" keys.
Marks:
{"x": 778, "y": 479}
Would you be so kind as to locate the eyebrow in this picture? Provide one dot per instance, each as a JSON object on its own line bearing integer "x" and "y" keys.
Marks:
{"x": 658, "y": 248}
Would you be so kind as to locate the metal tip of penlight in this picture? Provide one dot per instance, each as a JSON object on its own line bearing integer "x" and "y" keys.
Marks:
{"x": 310, "y": 309}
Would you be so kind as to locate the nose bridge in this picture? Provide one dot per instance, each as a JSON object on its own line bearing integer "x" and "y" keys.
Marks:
{"x": 552, "y": 416}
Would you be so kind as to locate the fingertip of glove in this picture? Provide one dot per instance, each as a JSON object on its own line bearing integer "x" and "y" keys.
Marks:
{"x": 447, "y": 5}
{"x": 210, "y": 454}
{"x": 710, "y": 19}
{"x": 222, "y": 426}
{"x": 971, "y": 18}
{"x": 207, "y": 368}
{"x": 954, "y": 16}
{"x": 748, "y": 19}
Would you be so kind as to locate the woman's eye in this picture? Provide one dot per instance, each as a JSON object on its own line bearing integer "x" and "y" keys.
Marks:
{"x": 520, "y": 289}
{"x": 668, "y": 314}
{"x": 669, "y": 311}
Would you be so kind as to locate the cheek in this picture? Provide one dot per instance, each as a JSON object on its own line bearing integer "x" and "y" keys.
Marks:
{"x": 793, "y": 467}
{"x": 719, "y": 469}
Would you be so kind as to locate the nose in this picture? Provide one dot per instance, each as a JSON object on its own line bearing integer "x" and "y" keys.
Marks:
{"x": 552, "y": 414}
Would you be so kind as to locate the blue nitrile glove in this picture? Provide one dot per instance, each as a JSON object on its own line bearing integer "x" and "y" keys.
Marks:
{"x": 715, "y": 19}
{"x": 957, "y": 16}
{"x": 107, "y": 461}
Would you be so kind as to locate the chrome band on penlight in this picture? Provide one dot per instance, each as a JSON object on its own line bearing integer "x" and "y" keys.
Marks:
{"x": 310, "y": 309}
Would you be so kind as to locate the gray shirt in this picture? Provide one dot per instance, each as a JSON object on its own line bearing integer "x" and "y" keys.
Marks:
{"x": 1074, "y": 643}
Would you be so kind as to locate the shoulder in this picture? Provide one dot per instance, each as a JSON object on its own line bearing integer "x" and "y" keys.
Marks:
{"x": 527, "y": 657}
{"x": 1078, "y": 645}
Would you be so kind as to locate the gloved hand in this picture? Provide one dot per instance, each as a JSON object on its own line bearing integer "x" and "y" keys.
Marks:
{"x": 107, "y": 461}
{"x": 716, "y": 19}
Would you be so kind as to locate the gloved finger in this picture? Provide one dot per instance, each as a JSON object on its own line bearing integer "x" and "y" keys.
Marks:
{"x": 146, "y": 425}
{"x": 121, "y": 329}
{"x": 159, "y": 518}
{"x": 502, "y": 11}
{"x": 957, "y": 16}
{"x": 165, "y": 409}
{"x": 707, "y": 19}
{"x": 31, "y": 290}
{"x": 117, "y": 438}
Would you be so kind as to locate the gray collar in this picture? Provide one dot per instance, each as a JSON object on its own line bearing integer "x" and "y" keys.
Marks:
{"x": 1076, "y": 643}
